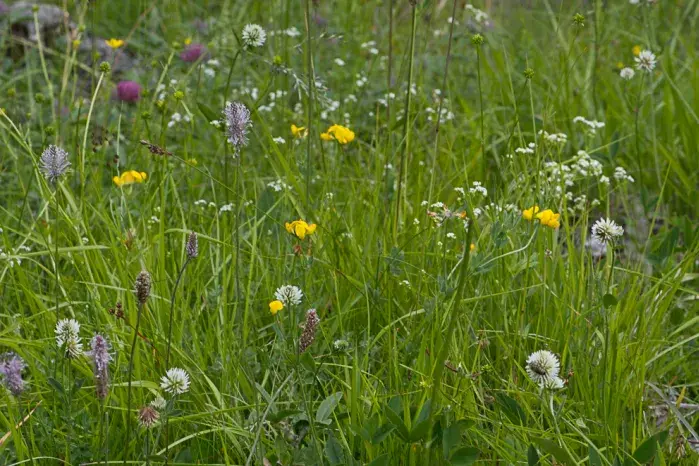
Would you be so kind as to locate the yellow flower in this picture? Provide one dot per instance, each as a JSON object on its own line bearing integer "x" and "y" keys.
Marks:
{"x": 529, "y": 213}
{"x": 299, "y": 131}
{"x": 275, "y": 306}
{"x": 130, "y": 177}
{"x": 300, "y": 228}
{"x": 549, "y": 219}
{"x": 188, "y": 41}
{"x": 636, "y": 50}
{"x": 76, "y": 43}
{"x": 472, "y": 247}
{"x": 339, "y": 133}
{"x": 114, "y": 43}
{"x": 619, "y": 65}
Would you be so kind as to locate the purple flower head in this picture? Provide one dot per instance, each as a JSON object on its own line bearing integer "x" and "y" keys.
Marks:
{"x": 128, "y": 91}
{"x": 193, "y": 52}
{"x": 237, "y": 118}
{"x": 100, "y": 364}
{"x": 11, "y": 367}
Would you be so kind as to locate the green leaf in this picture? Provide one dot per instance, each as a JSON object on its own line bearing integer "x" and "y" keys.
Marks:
{"x": 208, "y": 113}
{"x": 532, "y": 456}
{"x": 452, "y": 435}
{"x": 279, "y": 415}
{"x": 609, "y": 300}
{"x": 307, "y": 362}
{"x": 512, "y": 409}
{"x": 326, "y": 408}
{"x": 647, "y": 450}
{"x": 382, "y": 460}
{"x": 334, "y": 451}
{"x": 552, "y": 448}
{"x": 398, "y": 422}
{"x": 422, "y": 423}
{"x": 56, "y": 385}
{"x": 464, "y": 456}
{"x": 595, "y": 460}
{"x": 381, "y": 433}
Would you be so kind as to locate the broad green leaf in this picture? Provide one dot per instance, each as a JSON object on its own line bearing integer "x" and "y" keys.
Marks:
{"x": 552, "y": 448}
{"x": 532, "y": 456}
{"x": 383, "y": 460}
{"x": 464, "y": 456}
{"x": 334, "y": 451}
{"x": 327, "y": 407}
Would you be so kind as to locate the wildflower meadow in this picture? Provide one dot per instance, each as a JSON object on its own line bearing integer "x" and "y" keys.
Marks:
{"x": 349, "y": 232}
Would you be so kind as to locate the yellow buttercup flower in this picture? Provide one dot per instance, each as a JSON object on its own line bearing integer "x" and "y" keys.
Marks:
{"x": 275, "y": 306}
{"x": 529, "y": 213}
{"x": 300, "y": 228}
{"x": 339, "y": 133}
{"x": 298, "y": 131}
{"x": 188, "y": 41}
{"x": 114, "y": 43}
{"x": 549, "y": 219}
{"x": 636, "y": 50}
{"x": 130, "y": 177}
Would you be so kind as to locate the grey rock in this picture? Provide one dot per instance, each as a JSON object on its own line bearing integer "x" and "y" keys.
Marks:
{"x": 50, "y": 19}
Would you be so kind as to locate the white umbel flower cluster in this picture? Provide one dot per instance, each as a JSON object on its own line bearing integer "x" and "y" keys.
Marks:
{"x": 543, "y": 368}
{"x": 289, "y": 295}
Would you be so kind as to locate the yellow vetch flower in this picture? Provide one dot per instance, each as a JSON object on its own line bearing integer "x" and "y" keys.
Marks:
{"x": 529, "y": 213}
{"x": 298, "y": 131}
{"x": 636, "y": 50}
{"x": 275, "y": 306}
{"x": 549, "y": 219}
{"x": 339, "y": 133}
{"x": 114, "y": 43}
{"x": 300, "y": 228}
{"x": 130, "y": 177}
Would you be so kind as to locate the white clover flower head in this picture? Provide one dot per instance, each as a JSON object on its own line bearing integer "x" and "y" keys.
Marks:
{"x": 158, "y": 403}
{"x": 543, "y": 367}
{"x": 646, "y": 61}
{"x": 68, "y": 337}
{"x": 606, "y": 231}
{"x": 254, "y": 36}
{"x": 627, "y": 73}
{"x": 175, "y": 381}
{"x": 289, "y": 295}
{"x": 555, "y": 383}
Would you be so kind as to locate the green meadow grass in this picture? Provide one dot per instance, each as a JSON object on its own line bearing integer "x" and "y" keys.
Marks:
{"x": 420, "y": 354}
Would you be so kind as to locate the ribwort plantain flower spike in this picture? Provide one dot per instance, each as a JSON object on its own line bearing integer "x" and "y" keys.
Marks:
{"x": 99, "y": 353}
{"x": 192, "y": 246}
{"x": 54, "y": 163}
{"x": 142, "y": 287}
{"x": 237, "y": 118}
{"x": 309, "y": 330}
{"x": 11, "y": 367}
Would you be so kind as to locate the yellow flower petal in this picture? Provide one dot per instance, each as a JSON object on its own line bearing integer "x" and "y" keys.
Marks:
{"x": 114, "y": 43}
{"x": 275, "y": 306}
{"x": 529, "y": 213}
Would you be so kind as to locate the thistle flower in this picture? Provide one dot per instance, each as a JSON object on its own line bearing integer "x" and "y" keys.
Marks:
{"x": 543, "y": 367}
{"x": 606, "y": 231}
{"x": 100, "y": 364}
{"x": 148, "y": 416}
{"x": 627, "y": 73}
{"x": 192, "y": 246}
{"x": 175, "y": 381}
{"x": 237, "y": 118}
{"x": 253, "y": 36}
{"x": 142, "y": 287}
{"x": 193, "y": 52}
{"x": 128, "y": 91}
{"x": 11, "y": 367}
{"x": 646, "y": 60}
{"x": 68, "y": 337}
{"x": 289, "y": 295}
{"x": 54, "y": 163}
{"x": 309, "y": 330}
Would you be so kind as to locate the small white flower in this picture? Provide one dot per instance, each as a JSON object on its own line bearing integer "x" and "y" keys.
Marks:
{"x": 451, "y": 235}
{"x": 627, "y": 73}
{"x": 254, "y": 36}
{"x": 158, "y": 403}
{"x": 68, "y": 337}
{"x": 555, "y": 383}
{"x": 175, "y": 381}
{"x": 543, "y": 367}
{"x": 646, "y": 60}
{"x": 289, "y": 295}
{"x": 339, "y": 62}
{"x": 606, "y": 231}
{"x": 279, "y": 140}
